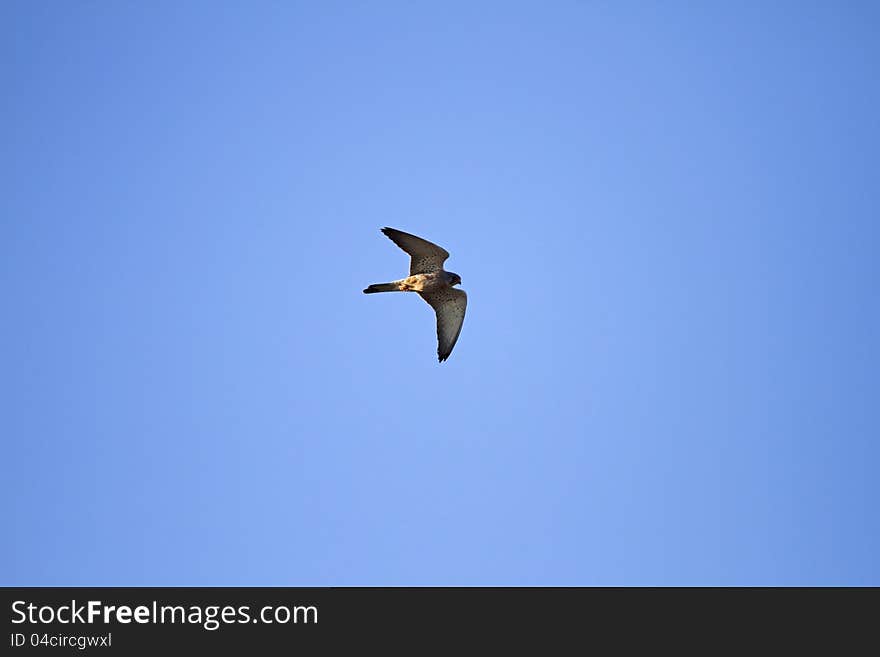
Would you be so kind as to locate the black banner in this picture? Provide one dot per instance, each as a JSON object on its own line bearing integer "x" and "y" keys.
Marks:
{"x": 156, "y": 620}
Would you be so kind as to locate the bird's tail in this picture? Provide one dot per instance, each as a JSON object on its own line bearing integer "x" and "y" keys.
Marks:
{"x": 382, "y": 287}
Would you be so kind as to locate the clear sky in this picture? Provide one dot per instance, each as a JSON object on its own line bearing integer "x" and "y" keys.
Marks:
{"x": 666, "y": 219}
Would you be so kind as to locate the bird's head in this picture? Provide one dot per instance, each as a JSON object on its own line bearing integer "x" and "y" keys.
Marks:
{"x": 454, "y": 279}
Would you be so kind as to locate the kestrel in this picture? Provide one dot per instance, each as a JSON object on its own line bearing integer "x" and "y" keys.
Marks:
{"x": 434, "y": 285}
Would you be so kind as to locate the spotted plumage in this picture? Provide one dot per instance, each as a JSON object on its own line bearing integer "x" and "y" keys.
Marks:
{"x": 434, "y": 284}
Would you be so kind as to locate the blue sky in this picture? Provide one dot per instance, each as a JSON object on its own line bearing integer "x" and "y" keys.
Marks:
{"x": 665, "y": 218}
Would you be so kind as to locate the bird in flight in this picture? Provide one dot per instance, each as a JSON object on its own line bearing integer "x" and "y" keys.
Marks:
{"x": 434, "y": 285}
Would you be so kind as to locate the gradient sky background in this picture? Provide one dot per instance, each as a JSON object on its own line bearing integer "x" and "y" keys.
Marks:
{"x": 678, "y": 384}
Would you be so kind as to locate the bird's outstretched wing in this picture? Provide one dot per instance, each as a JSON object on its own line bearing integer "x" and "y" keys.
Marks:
{"x": 449, "y": 304}
{"x": 426, "y": 257}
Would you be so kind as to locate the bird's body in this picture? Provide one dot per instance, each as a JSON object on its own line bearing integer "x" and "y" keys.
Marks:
{"x": 434, "y": 285}
{"x": 429, "y": 282}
